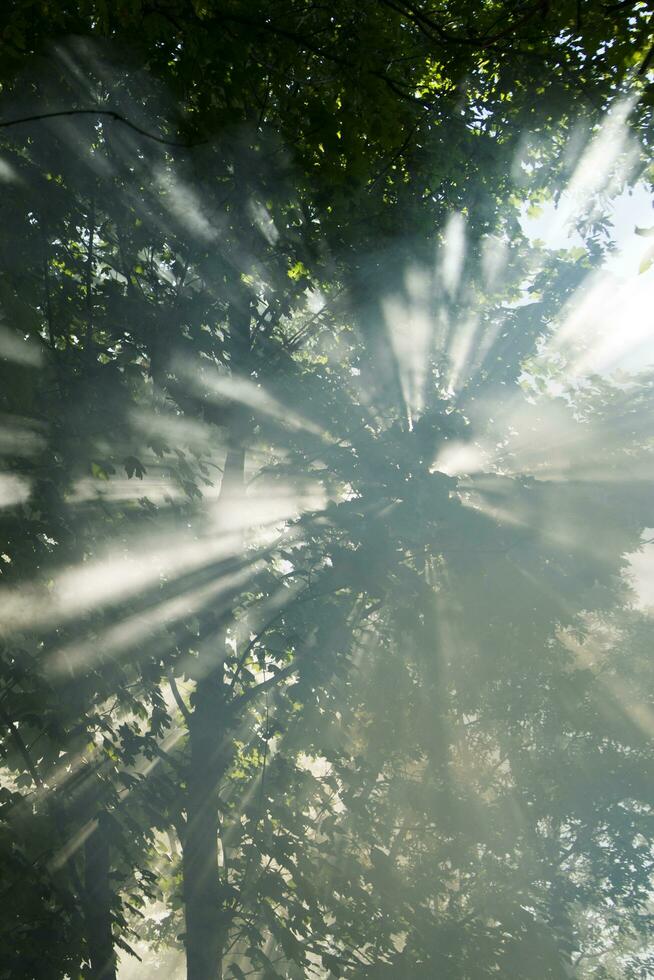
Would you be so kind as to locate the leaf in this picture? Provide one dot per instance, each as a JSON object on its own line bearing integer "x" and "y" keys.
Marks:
{"x": 297, "y": 271}
{"x": 128, "y": 949}
{"x": 134, "y": 467}
{"x": 99, "y": 472}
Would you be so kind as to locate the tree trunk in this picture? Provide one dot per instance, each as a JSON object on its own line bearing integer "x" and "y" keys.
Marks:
{"x": 207, "y": 922}
{"x": 204, "y": 925}
{"x": 97, "y": 913}
{"x": 209, "y": 736}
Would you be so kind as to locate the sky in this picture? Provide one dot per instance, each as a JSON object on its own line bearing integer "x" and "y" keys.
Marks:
{"x": 617, "y": 308}
{"x": 619, "y": 312}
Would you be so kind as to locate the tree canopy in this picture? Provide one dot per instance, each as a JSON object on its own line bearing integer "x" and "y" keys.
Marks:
{"x": 319, "y": 651}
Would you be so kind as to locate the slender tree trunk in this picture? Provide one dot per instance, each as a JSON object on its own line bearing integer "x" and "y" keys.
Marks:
{"x": 204, "y": 925}
{"x": 207, "y": 921}
{"x": 209, "y": 736}
{"x": 97, "y": 914}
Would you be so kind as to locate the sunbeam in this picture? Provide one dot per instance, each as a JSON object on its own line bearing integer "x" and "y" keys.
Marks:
{"x": 326, "y": 454}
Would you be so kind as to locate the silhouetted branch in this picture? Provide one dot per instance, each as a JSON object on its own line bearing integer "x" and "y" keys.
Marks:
{"x": 646, "y": 63}
{"x": 253, "y": 692}
{"x": 178, "y": 698}
{"x": 20, "y": 745}
{"x": 109, "y": 113}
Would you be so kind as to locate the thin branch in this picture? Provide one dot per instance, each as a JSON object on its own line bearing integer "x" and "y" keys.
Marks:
{"x": 265, "y": 757}
{"x": 303, "y": 331}
{"x": 110, "y": 114}
{"x": 271, "y": 622}
{"x": 399, "y": 838}
{"x": 433, "y": 30}
{"x": 178, "y": 698}
{"x": 398, "y": 153}
{"x": 88, "y": 284}
{"x": 46, "y": 286}
{"x": 254, "y": 692}
{"x": 646, "y": 63}
{"x": 17, "y": 738}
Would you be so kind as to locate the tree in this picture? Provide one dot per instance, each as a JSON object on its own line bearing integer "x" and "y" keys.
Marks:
{"x": 164, "y": 288}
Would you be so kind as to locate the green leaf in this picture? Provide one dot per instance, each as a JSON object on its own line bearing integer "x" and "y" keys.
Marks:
{"x": 134, "y": 467}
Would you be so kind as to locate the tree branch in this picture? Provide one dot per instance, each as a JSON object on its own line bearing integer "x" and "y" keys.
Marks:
{"x": 20, "y": 745}
{"x": 110, "y": 114}
{"x": 254, "y": 692}
{"x": 178, "y": 698}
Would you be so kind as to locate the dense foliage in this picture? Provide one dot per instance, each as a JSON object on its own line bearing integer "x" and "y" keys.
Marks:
{"x": 318, "y": 655}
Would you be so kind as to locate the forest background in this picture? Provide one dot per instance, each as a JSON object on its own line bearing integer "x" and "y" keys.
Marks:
{"x": 322, "y": 486}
